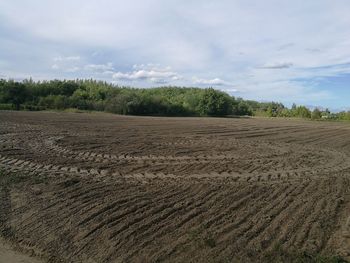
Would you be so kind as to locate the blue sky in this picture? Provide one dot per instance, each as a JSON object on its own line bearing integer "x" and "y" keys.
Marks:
{"x": 288, "y": 51}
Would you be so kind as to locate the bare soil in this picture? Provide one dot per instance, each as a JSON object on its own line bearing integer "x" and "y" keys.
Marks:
{"x": 107, "y": 188}
{"x": 9, "y": 255}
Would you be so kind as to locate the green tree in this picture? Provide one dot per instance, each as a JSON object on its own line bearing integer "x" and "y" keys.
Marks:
{"x": 286, "y": 113}
{"x": 214, "y": 103}
{"x": 242, "y": 108}
{"x": 302, "y": 112}
{"x": 119, "y": 104}
{"x": 15, "y": 93}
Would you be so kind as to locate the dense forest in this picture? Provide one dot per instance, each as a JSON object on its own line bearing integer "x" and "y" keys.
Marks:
{"x": 95, "y": 95}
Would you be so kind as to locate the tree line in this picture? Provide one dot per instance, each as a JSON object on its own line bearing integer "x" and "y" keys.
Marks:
{"x": 95, "y": 95}
{"x": 275, "y": 109}
{"x": 102, "y": 96}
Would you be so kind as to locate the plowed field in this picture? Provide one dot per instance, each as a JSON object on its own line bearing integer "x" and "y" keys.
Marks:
{"x": 107, "y": 188}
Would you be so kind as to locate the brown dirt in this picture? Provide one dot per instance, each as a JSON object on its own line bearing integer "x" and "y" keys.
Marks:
{"x": 9, "y": 255}
{"x": 107, "y": 188}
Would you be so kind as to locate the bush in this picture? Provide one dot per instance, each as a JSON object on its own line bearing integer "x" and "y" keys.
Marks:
{"x": 316, "y": 114}
{"x": 302, "y": 112}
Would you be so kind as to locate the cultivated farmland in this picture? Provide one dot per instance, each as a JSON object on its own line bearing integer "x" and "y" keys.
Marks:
{"x": 107, "y": 188}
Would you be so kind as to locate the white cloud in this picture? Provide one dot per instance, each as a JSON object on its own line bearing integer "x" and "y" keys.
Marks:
{"x": 175, "y": 78}
{"x": 284, "y": 91}
{"x": 69, "y": 58}
{"x": 73, "y": 69}
{"x": 214, "y": 82}
{"x": 150, "y": 72}
{"x": 68, "y": 64}
{"x": 65, "y": 69}
{"x": 277, "y": 65}
{"x": 99, "y": 67}
{"x": 108, "y": 72}
{"x": 158, "y": 80}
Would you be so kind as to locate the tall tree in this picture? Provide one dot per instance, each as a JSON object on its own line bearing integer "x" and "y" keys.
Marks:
{"x": 215, "y": 103}
{"x": 15, "y": 93}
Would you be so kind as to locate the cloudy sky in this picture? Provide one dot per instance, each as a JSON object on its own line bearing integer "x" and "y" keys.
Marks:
{"x": 288, "y": 51}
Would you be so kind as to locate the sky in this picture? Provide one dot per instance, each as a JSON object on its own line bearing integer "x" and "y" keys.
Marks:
{"x": 272, "y": 50}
